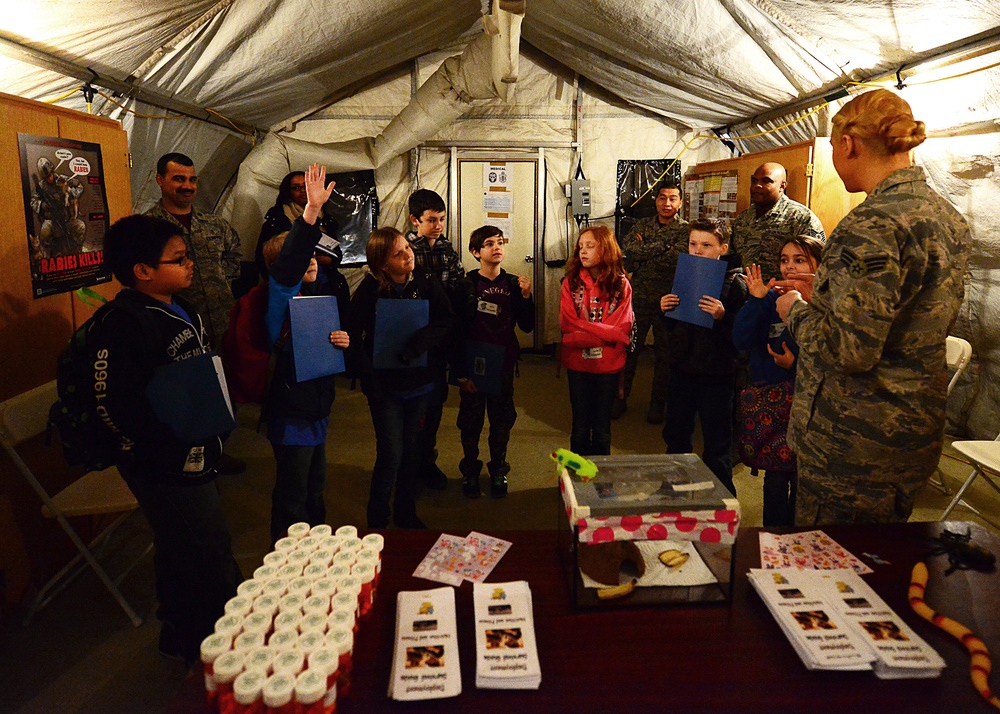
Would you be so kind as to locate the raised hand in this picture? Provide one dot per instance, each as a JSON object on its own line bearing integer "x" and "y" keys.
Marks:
{"x": 755, "y": 283}
{"x": 317, "y": 193}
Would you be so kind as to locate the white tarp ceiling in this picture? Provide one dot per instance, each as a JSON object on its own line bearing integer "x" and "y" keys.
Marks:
{"x": 698, "y": 63}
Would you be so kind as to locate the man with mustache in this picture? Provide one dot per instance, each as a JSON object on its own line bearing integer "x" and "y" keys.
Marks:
{"x": 214, "y": 247}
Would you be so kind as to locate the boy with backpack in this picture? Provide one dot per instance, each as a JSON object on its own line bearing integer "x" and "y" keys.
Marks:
{"x": 501, "y": 301}
{"x": 172, "y": 480}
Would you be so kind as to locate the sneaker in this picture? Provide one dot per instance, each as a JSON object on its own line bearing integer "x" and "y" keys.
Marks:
{"x": 433, "y": 477}
{"x": 409, "y": 522}
{"x": 655, "y": 413}
{"x": 470, "y": 486}
{"x": 498, "y": 485}
{"x": 619, "y": 407}
{"x": 229, "y": 465}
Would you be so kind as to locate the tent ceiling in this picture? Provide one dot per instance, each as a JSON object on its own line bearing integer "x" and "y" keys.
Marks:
{"x": 699, "y": 63}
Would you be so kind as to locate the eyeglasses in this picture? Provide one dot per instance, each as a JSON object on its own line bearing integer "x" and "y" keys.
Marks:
{"x": 176, "y": 261}
{"x": 297, "y": 187}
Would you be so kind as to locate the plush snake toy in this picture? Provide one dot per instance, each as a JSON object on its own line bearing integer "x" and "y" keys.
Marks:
{"x": 980, "y": 664}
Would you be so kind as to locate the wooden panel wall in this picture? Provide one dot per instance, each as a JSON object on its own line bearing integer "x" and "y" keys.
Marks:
{"x": 33, "y": 332}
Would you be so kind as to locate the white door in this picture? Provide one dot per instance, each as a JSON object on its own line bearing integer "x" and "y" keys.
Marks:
{"x": 502, "y": 192}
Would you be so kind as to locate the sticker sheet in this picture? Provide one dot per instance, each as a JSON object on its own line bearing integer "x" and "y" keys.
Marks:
{"x": 453, "y": 560}
{"x": 811, "y": 549}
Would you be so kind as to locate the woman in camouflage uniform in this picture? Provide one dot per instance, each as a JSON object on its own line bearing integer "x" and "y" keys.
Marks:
{"x": 869, "y": 407}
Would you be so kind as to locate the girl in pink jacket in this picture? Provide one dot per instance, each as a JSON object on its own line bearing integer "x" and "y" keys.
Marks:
{"x": 595, "y": 316}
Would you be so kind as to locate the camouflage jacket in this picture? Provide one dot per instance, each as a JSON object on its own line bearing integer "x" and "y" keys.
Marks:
{"x": 872, "y": 376}
{"x": 758, "y": 240}
{"x": 652, "y": 261}
{"x": 216, "y": 250}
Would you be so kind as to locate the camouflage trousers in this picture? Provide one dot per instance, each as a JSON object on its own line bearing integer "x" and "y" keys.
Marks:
{"x": 646, "y": 318}
{"x": 846, "y": 488}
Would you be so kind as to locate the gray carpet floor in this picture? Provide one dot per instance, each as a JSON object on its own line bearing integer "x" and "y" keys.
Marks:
{"x": 81, "y": 654}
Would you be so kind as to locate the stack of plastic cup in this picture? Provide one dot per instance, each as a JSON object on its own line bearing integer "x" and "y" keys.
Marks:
{"x": 284, "y": 639}
{"x": 317, "y": 604}
{"x": 326, "y": 660}
{"x": 310, "y": 688}
{"x": 291, "y": 603}
{"x": 279, "y": 693}
{"x": 247, "y": 692}
{"x": 250, "y": 588}
{"x": 213, "y": 647}
{"x": 321, "y": 531}
{"x": 342, "y": 638}
{"x": 261, "y": 659}
{"x": 298, "y": 530}
{"x": 365, "y": 573}
{"x": 246, "y": 641}
{"x": 276, "y": 558}
{"x": 289, "y": 662}
{"x": 310, "y": 641}
{"x": 347, "y": 532}
{"x": 226, "y": 669}
{"x": 315, "y": 571}
{"x": 313, "y": 622}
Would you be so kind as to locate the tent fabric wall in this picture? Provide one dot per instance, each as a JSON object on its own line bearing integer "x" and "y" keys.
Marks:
{"x": 653, "y": 75}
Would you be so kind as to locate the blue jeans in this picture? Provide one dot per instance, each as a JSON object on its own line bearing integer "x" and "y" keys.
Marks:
{"x": 193, "y": 561}
{"x": 710, "y": 399}
{"x": 299, "y": 481}
{"x": 397, "y": 424}
{"x": 591, "y": 397}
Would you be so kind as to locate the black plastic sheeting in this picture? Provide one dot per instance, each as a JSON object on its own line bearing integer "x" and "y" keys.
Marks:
{"x": 354, "y": 205}
{"x": 635, "y": 177}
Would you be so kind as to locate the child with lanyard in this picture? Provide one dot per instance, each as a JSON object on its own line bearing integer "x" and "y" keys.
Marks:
{"x": 595, "y": 317}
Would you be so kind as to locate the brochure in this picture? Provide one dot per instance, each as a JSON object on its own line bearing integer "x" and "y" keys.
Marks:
{"x": 425, "y": 656}
{"x": 506, "y": 652}
{"x": 835, "y": 620}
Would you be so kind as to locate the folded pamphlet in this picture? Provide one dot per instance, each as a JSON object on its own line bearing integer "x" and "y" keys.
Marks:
{"x": 506, "y": 653}
{"x": 425, "y": 655}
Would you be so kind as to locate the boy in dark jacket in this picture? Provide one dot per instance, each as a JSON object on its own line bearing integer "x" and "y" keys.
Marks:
{"x": 173, "y": 481}
{"x": 703, "y": 361}
{"x": 501, "y": 301}
{"x": 298, "y": 413}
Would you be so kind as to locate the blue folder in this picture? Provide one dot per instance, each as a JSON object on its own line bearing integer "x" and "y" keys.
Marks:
{"x": 190, "y": 396}
{"x": 484, "y": 366}
{"x": 313, "y": 319}
{"x": 696, "y": 277}
{"x": 396, "y": 321}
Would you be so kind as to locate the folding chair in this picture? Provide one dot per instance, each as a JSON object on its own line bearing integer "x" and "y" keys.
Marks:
{"x": 985, "y": 458}
{"x": 959, "y": 354}
{"x": 97, "y": 492}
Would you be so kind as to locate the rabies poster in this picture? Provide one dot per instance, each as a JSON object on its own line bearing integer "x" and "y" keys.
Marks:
{"x": 66, "y": 211}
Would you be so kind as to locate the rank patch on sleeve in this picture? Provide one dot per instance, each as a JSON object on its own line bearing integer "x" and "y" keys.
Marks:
{"x": 858, "y": 267}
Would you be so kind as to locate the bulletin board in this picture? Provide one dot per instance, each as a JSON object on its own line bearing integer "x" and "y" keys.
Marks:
{"x": 34, "y": 330}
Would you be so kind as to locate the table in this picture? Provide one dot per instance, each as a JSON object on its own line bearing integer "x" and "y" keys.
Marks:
{"x": 728, "y": 657}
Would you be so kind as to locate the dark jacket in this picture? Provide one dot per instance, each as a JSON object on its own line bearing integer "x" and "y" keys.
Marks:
{"x": 495, "y": 325}
{"x": 125, "y": 355}
{"x": 709, "y": 351}
{"x": 288, "y": 398}
{"x": 430, "y": 339}
{"x": 757, "y": 326}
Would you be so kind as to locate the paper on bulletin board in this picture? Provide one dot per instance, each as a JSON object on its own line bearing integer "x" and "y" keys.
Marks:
{"x": 498, "y": 201}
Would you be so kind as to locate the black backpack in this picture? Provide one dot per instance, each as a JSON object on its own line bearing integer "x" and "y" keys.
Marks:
{"x": 86, "y": 441}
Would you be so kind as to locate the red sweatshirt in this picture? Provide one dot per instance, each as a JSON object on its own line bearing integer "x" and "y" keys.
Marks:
{"x": 595, "y": 328}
